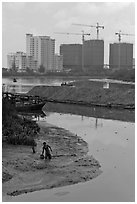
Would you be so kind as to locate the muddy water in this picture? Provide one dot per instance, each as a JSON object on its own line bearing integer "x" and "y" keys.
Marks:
{"x": 111, "y": 142}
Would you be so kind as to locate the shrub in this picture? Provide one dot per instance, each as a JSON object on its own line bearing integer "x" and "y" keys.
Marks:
{"x": 16, "y": 130}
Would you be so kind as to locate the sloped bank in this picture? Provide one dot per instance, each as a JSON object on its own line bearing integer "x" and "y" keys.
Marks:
{"x": 90, "y": 96}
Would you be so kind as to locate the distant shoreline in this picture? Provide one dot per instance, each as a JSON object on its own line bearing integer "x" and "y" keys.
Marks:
{"x": 117, "y": 74}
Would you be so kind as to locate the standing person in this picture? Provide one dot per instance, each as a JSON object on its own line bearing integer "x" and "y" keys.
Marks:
{"x": 34, "y": 144}
{"x": 47, "y": 150}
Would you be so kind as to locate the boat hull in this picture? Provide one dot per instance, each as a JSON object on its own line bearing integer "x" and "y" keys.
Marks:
{"x": 30, "y": 107}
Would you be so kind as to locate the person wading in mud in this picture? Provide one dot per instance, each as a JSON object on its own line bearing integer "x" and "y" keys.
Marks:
{"x": 47, "y": 150}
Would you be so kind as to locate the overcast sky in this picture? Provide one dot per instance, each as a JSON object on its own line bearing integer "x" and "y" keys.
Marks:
{"x": 46, "y": 18}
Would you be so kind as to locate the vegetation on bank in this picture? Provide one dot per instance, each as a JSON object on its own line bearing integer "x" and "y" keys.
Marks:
{"x": 93, "y": 73}
{"x": 87, "y": 93}
{"x": 17, "y": 130}
{"x": 122, "y": 74}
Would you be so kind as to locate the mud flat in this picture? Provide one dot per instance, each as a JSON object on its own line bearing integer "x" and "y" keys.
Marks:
{"x": 25, "y": 172}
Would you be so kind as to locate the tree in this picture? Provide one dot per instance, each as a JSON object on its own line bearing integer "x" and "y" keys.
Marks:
{"x": 42, "y": 69}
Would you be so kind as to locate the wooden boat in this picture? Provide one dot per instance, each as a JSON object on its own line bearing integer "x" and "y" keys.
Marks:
{"x": 24, "y": 102}
{"x": 29, "y": 106}
{"x": 29, "y": 103}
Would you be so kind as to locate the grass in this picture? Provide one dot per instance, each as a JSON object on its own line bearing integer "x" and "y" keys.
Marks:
{"x": 88, "y": 92}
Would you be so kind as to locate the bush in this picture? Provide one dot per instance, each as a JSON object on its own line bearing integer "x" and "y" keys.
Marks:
{"x": 16, "y": 130}
{"x": 122, "y": 74}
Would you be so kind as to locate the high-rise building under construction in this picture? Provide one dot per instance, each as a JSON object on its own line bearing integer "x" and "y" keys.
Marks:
{"x": 93, "y": 54}
{"x": 121, "y": 55}
{"x": 72, "y": 56}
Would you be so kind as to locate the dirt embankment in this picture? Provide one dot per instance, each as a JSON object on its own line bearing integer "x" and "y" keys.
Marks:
{"x": 25, "y": 172}
{"x": 88, "y": 95}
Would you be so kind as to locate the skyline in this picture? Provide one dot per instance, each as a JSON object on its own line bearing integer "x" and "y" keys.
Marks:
{"x": 30, "y": 17}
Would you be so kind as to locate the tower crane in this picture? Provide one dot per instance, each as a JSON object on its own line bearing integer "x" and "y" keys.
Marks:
{"x": 97, "y": 26}
{"x": 120, "y": 34}
{"x": 119, "y": 39}
{"x": 83, "y": 35}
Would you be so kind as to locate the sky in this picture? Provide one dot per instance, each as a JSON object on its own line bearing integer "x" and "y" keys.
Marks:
{"x": 46, "y": 18}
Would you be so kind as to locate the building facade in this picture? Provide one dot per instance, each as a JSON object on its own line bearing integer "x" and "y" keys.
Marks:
{"x": 10, "y": 60}
{"x": 133, "y": 63}
{"x": 32, "y": 64}
{"x": 93, "y": 54}
{"x": 42, "y": 50}
{"x": 121, "y": 55}
{"x": 58, "y": 62}
{"x": 18, "y": 60}
{"x": 72, "y": 56}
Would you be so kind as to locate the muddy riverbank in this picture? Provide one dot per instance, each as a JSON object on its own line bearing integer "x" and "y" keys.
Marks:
{"x": 24, "y": 172}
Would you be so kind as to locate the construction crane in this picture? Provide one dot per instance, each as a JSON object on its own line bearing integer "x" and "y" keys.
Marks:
{"x": 120, "y": 34}
{"x": 83, "y": 35}
{"x": 92, "y": 26}
{"x": 119, "y": 39}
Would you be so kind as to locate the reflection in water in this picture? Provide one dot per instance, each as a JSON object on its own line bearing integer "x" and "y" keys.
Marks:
{"x": 97, "y": 124}
{"x": 97, "y": 112}
{"x": 82, "y": 118}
